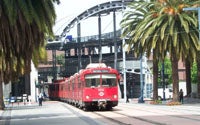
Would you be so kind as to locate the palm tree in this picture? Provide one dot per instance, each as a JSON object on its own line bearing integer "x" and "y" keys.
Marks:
{"x": 155, "y": 76}
{"x": 129, "y": 23}
{"x": 166, "y": 28}
{"x": 24, "y": 27}
{"x": 188, "y": 77}
{"x": 39, "y": 55}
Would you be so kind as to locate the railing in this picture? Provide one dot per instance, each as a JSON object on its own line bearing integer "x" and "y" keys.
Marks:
{"x": 109, "y": 35}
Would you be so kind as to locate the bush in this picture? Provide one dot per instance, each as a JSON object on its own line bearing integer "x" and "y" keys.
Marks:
{"x": 155, "y": 102}
{"x": 172, "y": 103}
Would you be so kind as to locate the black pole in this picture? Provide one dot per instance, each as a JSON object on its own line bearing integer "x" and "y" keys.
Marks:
{"x": 66, "y": 54}
{"x": 163, "y": 79}
{"x": 114, "y": 39}
{"x": 79, "y": 45}
{"x": 141, "y": 98}
{"x": 54, "y": 64}
{"x": 100, "y": 46}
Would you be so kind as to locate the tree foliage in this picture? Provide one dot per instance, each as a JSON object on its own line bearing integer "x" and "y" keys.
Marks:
{"x": 24, "y": 26}
{"x": 194, "y": 73}
{"x": 167, "y": 69}
{"x": 61, "y": 59}
{"x": 162, "y": 26}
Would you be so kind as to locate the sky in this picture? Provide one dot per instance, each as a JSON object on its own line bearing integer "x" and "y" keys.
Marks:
{"x": 67, "y": 10}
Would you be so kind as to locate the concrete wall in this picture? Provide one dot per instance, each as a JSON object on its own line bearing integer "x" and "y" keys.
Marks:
{"x": 33, "y": 81}
{"x": 194, "y": 90}
{"x": 7, "y": 89}
{"x": 182, "y": 85}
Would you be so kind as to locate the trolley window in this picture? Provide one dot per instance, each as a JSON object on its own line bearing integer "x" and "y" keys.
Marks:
{"x": 109, "y": 80}
{"x": 92, "y": 80}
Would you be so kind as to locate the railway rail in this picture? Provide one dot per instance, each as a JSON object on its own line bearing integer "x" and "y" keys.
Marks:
{"x": 134, "y": 114}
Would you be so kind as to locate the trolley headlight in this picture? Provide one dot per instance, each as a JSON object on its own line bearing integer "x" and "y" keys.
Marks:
{"x": 115, "y": 96}
{"x": 87, "y": 97}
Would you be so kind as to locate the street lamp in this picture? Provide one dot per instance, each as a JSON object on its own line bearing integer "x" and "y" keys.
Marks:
{"x": 141, "y": 98}
{"x": 124, "y": 60}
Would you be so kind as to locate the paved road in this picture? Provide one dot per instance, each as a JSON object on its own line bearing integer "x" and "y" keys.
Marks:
{"x": 58, "y": 113}
{"x": 51, "y": 113}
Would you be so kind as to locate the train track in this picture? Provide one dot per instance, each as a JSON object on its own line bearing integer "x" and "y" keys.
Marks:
{"x": 148, "y": 115}
{"x": 130, "y": 119}
{"x": 112, "y": 117}
{"x": 175, "y": 110}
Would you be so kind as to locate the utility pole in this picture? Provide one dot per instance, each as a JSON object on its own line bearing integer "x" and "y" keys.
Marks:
{"x": 141, "y": 98}
{"x": 115, "y": 40}
{"x": 124, "y": 62}
{"x": 100, "y": 44}
{"x": 163, "y": 78}
{"x": 54, "y": 68}
{"x": 79, "y": 46}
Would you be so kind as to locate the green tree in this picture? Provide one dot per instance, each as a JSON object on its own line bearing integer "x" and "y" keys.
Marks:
{"x": 130, "y": 22}
{"x": 194, "y": 74}
{"x": 39, "y": 55}
{"x": 24, "y": 25}
{"x": 60, "y": 59}
{"x": 163, "y": 28}
{"x": 167, "y": 69}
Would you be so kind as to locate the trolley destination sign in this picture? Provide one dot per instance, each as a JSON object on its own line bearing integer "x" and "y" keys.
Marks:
{"x": 100, "y": 71}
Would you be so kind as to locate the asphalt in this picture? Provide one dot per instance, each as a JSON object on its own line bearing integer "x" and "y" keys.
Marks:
{"x": 20, "y": 109}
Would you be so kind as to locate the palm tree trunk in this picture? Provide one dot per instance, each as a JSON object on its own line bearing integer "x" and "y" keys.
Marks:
{"x": 188, "y": 76}
{"x": 155, "y": 77}
{"x": 198, "y": 73}
{"x": 1, "y": 93}
{"x": 175, "y": 77}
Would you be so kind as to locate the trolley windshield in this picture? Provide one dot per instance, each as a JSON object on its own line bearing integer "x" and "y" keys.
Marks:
{"x": 97, "y": 80}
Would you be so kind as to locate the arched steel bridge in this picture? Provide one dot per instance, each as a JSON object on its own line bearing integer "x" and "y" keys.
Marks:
{"x": 91, "y": 42}
{"x": 74, "y": 63}
{"x": 98, "y": 10}
{"x": 104, "y": 8}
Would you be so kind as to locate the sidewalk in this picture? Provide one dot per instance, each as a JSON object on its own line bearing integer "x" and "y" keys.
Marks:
{"x": 52, "y": 111}
{"x": 1, "y": 113}
{"x": 32, "y": 113}
{"x": 16, "y": 105}
{"x": 187, "y": 100}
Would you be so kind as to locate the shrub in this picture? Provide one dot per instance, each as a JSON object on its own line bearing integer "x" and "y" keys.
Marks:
{"x": 155, "y": 102}
{"x": 172, "y": 103}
